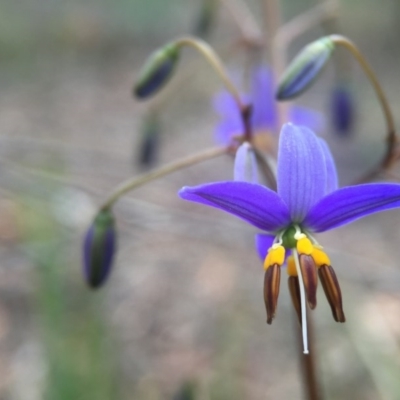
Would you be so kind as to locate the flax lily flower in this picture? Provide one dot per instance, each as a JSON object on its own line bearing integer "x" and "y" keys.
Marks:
{"x": 264, "y": 118}
{"x": 307, "y": 201}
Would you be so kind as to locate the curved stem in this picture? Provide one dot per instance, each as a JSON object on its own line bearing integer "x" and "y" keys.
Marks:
{"x": 272, "y": 11}
{"x": 211, "y": 56}
{"x": 245, "y": 21}
{"x": 391, "y": 132}
{"x": 303, "y": 22}
{"x": 141, "y": 180}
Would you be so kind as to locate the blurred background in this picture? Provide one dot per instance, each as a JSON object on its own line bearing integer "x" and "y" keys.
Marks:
{"x": 182, "y": 315}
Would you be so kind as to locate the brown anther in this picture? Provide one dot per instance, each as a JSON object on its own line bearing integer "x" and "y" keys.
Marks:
{"x": 272, "y": 279}
{"x": 332, "y": 291}
{"x": 294, "y": 290}
{"x": 310, "y": 278}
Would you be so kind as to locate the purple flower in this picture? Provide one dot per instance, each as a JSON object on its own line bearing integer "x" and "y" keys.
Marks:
{"x": 265, "y": 113}
{"x": 307, "y": 201}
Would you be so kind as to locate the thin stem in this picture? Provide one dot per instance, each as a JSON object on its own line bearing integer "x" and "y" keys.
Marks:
{"x": 211, "y": 56}
{"x": 141, "y": 180}
{"x": 391, "y": 132}
{"x": 168, "y": 95}
{"x": 303, "y": 302}
{"x": 245, "y": 21}
{"x": 303, "y": 22}
{"x": 308, "y": 365}
{"x": 272, "y": 12}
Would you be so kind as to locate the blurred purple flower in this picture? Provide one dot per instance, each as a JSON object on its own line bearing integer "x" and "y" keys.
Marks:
{"x": 265, "y": 113}
{"x": 307, "y": 200}
{"x": 342, "y": 109}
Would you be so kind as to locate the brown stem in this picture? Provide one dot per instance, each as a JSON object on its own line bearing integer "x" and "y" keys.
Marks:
{"x": 390, "y": 155}
{"x": 308, "y": 363}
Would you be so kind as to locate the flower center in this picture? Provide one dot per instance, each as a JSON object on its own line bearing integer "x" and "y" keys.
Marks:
{"x": 306, "y": 262}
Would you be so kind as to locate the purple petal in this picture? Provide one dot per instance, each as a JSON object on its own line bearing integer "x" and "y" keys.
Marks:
{"x": 255, "y": 204}
{"x": 301, "y": 170}
{"x": 263, "y": 97}
{"x": 331, "y": 172}
{"x": 231, "y": 123}
{"x": 245, "y": 168}
{"x": 309, "y": 118}
{"x": 226, "y": 130}
{"x": 224, "y": 104}
{"x": 350, "y": 203}
{"x": 263, "y": 243}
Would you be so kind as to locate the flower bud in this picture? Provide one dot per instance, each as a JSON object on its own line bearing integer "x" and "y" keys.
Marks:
{"x": 245, "y": 168}
{"x": 157, "y": 71}
{"x": 305, "y": 68}
{"x": 342, "y": 109}
{"x": 99, "y": 248}
{"x": 150, "y": 142}
{"x": 205, "y": 19}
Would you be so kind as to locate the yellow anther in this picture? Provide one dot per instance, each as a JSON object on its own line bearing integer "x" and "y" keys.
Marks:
{"x": 276, "y": 255}
{"x": 320, "y": 257}
{"x": 291, "y": 266}
{"x": 304, "y": 246}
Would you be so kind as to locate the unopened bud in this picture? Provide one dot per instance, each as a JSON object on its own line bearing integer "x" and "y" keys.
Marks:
{"x": 150, "y": 142}
{"x": 305, "y": 68}
{"x": 98, "y": 249}
{"x": 205, "y": 18}
{"x": 332, "y": 291}
{"x": 157, "y": 71}
{"x": 272, "y": 280}
{"x": 342, "y": 109}
{"x": 245, "y": 168}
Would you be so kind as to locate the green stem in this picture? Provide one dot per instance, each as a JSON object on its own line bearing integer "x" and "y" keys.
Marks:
{"x": 245, "y": 21}
{"x": 300, "y": 24}
{"x": 391, "y": 132}
{"x": 211, "y": 56}
{"x": 141, "y": 180}
{"x": 213, "y": 59}
{"x": 277, "y": 55}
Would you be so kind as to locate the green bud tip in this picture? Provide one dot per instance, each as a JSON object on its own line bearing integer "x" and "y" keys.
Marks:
{"x": 99, "y": 248}
{"x": 157, "y": 71}
{"x": 305, "y": 68}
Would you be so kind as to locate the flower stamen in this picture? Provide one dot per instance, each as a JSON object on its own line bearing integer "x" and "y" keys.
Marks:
{"x": 272, "y": 265}
{"x": 308, "y": 269}
{"x": 294, "y": 287}
{"x": 329, "y": 283}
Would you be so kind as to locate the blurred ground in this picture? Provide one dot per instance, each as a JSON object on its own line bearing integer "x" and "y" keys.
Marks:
{"x": 184, "y": 303}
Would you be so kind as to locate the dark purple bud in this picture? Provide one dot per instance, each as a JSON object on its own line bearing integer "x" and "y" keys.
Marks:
{"x": 98, "y": 249}
{"x": 342, "y": 108}
{"x": 186, "y": 392}
{"x": 150, "y": 141}
{"x": 205, "y": 18}
{"x": 157, "y": 71}
{"x": 305, "y": 68}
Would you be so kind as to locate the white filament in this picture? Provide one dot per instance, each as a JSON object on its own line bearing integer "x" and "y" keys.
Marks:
{"x": 302, "y": 301}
